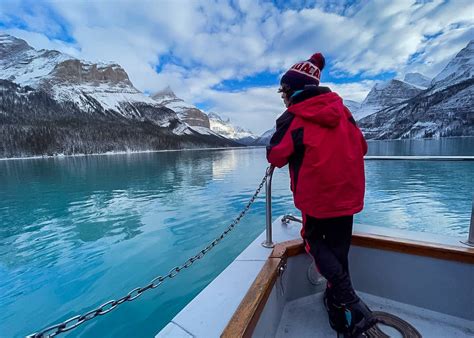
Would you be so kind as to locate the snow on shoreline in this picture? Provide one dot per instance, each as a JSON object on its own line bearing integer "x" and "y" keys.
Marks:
{"x": 112, "y": 153}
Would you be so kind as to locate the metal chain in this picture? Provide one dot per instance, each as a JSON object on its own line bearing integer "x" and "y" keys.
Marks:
{"x": 75, "y": 321}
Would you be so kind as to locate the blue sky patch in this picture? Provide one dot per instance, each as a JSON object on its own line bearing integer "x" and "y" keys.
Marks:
{"x": 193, "y": 36}
{"x": 205, "y": 105}
{"x": 432, "y": 36}
{"x": 264, "y": 79}
{"x": 164, "y": 60}
{"x": 46, "y": 20}
{"x": 327, "y": 77}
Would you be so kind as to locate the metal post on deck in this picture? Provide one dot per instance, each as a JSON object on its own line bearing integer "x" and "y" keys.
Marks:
{"x": 470, "y": 239}
{"x": 268, "y": 196}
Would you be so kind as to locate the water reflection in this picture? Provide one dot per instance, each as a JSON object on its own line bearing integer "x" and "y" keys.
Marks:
{"x": 47, "y": 202}
{"x": 448, "y": 146}
{"x": 223, "y": 166}
{"x": 66, "y": 223}
{"x": 75, "y": 232}
{"x": 419, "y": 195}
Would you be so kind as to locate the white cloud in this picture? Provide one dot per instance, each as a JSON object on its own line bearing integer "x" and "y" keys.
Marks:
{"x": 437, "y": 53}
{"x": 213, "y": 41}
{"x": 40, "y": 41}
{"x": 355, "y": 91}
{"x": 258, "y": 108}
{"x": 397, "y": 31}
{"x": 255, "y": 108}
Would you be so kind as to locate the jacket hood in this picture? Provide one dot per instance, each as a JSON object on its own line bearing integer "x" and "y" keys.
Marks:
{"x": 325, "y": 109}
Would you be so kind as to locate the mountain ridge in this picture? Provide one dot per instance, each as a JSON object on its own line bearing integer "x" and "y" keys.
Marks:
{"x": 229, "y": 130}
{"x": 185, "y": 111}
{"x": 196, "y": 117}
{"x": 417, "y": 106}
{"x": 445, "y": 108}
{"x": 96, "y": 94}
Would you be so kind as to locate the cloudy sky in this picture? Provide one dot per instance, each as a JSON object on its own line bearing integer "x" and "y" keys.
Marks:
{"x": 228, "y": 56}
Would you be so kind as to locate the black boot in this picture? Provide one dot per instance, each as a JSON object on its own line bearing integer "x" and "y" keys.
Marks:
{"x": 359, "y": 319}
{"x": 336, "y": 313}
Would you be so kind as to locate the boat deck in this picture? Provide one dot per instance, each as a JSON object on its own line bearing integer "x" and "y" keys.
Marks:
{"x": 299, "y": 311}
{"x": 307, "y": 317}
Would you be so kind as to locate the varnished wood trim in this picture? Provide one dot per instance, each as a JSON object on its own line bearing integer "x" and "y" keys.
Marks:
{"x": 407, "y": 246}
{"x": 246, "y": 316}
{"x": 288, "y": 249}
{"x": 413, "y": 247}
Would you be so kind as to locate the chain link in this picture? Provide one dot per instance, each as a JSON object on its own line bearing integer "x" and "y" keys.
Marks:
{"x": 105, "y": 308}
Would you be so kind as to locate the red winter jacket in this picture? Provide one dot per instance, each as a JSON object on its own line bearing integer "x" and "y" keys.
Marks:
{"x": 325, "y": 150}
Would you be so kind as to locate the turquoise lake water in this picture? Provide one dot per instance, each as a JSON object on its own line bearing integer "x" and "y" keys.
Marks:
{"x": 78, "y": 231}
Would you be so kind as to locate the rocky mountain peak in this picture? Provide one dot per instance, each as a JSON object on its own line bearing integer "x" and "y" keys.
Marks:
{"x": 383, "y": 95}
{"x": 229, "y": 130}
{"x": 353, "y": 106}
{"x": 264, "y": 139}
{"x": 390, "y": 93}
{"x": 47, "y": 86}
{"x": 10, "y": 46}
{"x": 164, "y": 93}
{"x": 444, "y": 109}
{"x": 418, "y": 80}
{"x": 459, "y": 69}
{"x": 218, "y": 117}
{"x": 185, "y": 111}
{"x": 21, "y": 63}
{"x": 166, "y": 96}
{"x": 79, "y": 72}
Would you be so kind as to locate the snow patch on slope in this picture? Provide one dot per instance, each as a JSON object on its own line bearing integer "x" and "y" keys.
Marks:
{"x": 108, "y": 97}
{"x": 227, "y": 129}
{"x": 460, "y": 68}
{"x": 24, "y": 65}
{"x": 187, "y": 112}
{"x": 418, "y": 80}
{"x": 265, "y": 138}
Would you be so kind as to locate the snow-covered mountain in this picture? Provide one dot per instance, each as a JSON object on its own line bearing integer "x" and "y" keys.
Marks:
{"x": 353, "y": 106}
{"x": 79, "y": 91}
{"x": 24, "y": 65}
{"x": 96, "y": 88}
{"x": 445, "y": 112}
{"x": 227, "y": 129}
{"x": 194, "y": 117}
{"x": 186, "y": 111}
{"x": 446, "y": 108}
{"x": 418, "y": 107}
{"x": 264, "y": 139}
{"x": 384, "y": 95}
{"x": 417, "y": 80}
{"x": 459, "y": 69}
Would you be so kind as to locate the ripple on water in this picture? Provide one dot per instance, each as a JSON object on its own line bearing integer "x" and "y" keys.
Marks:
{"x": 78, "y": 232}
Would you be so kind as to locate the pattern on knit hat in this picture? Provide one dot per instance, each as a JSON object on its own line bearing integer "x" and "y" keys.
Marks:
{"x": 304, "y": 73}
{"x": 307, "y": 68}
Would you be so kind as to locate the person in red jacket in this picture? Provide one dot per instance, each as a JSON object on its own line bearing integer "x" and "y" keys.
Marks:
{"x": 319, "y": 139}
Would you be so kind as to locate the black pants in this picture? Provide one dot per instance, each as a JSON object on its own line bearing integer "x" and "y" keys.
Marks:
{"x": 328, "y": 241}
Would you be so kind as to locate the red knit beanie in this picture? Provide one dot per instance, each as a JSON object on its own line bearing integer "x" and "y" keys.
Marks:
{"x": 304, "y": 73}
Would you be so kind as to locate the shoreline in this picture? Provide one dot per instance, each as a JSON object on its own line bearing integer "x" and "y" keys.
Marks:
{"x": 420, "y": 139}
{"x": 112, "y": 153}
{"x": 58, "y": 156}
